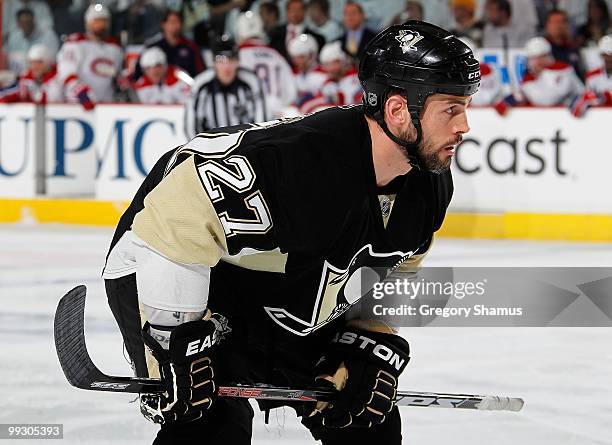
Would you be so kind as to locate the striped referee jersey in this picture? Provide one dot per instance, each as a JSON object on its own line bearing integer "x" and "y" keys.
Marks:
{"x": 213, "y": 104}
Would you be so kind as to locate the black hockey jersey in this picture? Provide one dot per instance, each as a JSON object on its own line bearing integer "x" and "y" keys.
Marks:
{"x": 297, "y": 197}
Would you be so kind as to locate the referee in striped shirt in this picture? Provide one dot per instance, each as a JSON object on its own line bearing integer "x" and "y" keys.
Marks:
{"x": 226, "y": 94}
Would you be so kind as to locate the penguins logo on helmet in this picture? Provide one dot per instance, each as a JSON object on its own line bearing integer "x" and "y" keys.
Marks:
{"x": 408, "y": 40}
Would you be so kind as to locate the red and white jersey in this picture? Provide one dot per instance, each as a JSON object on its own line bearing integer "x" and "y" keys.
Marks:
{"x": 309, "y": 83}
{"x": 490, "y": 90}
{"x": 344, "y": 91}
{"x": 172, "y": 90}
{"x": 29, "y": 89}
{"x": 599, "y": 81}
{"x": 273, "y": 70}
{"x": 557, "y": 84}
{"x": 91, "y": 62}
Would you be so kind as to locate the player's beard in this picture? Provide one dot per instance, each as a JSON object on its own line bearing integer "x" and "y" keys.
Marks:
{"x": 430, "y": 158}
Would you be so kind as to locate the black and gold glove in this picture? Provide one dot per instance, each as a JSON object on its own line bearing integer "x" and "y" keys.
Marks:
{"x": 364, "y": 366}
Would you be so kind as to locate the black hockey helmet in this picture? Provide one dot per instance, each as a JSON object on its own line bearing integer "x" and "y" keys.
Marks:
{"x": 418, "y": 59}
{"x": 225, "y": 46}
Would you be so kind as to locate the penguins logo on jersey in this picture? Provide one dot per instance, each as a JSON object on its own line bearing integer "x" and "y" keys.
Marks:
{"x": 339, "y": 289}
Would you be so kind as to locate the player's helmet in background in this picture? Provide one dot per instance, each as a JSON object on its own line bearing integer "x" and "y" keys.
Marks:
{"x": 249, "y": 26}
{"x": 416, "y": 59}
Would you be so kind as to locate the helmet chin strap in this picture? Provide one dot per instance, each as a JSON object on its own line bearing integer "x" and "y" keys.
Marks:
{"x": 412, "y": 148}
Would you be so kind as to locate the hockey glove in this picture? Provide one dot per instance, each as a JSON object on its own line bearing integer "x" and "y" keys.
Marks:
{"x": 365, "y": 367}
{"x": 186, "y": 369}
{"x": 85, "y": 97}
{"x": 581, "y": 103}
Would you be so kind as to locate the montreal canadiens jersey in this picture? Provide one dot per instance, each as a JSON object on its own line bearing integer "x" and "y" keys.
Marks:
{"x": 309, "y": 83}
{"x": 490, "y": 90}
{"x": 292, "y": 206}
{"x": 557, "y": 84}
{"x": 599, "y": 81}
{"x": 94, "y": 63}
{"x": 40, "y": 91}
{"x": 172, "y": 90}
{"x": 344, "y": 91}
{"x": 273, "y": 70}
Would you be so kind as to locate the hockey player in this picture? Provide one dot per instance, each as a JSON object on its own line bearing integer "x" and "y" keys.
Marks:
{"x": 93, "y": 59}
{"x": 309, "y": 77}
{"x": 343, "y": 77}
{"x": 265, "y": 229}
{"x": 40, "y": 83}
{"x": 342, "y": 86}
{"x": 266, "y": 62}
{"x": 548, "y": 81}
{"x": 161, "y": 83}
{"x": 599, "y": 81}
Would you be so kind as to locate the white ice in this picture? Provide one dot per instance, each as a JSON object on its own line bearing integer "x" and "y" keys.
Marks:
{"x": 564, "y": 374}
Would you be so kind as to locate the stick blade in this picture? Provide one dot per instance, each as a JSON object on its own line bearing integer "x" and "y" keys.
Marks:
{"x": 70, "y": 338}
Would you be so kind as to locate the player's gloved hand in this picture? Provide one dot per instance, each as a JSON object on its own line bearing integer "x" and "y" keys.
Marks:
{"x": 504, "y": 105}
{"x": 83, "y": 94}
{"x": 186, "y": 369}
{"x": 581, "y": 103}
{"x": 364, "y": 366}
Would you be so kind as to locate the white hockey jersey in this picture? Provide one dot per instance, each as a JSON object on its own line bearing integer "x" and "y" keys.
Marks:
{"x": 172, "y": 90}
{"x": 490, "y": 90}
{"x": 273, "y": 70}
{"x": 600, "y": 82}
{"x": 94, "y": 63}
{"x": 344, "y": 91}
{"x": 309, "y": 83}
{"x": 557, "y": 84}
{"x": 29, "y": 89}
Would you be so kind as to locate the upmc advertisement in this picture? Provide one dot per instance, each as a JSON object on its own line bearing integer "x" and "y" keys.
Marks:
{"x": 540, "y": 160}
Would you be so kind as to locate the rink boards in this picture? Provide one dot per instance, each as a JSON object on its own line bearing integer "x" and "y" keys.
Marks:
{"x": 534, "y": 174}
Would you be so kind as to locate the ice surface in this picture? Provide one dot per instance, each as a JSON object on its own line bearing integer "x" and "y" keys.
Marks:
{"x": 562, "y": 373}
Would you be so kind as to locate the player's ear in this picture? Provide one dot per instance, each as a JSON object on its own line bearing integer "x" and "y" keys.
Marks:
{"x": 396, "y": 111}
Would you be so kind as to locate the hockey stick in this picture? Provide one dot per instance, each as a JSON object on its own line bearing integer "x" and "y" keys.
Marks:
{"x": 82, "y": 373}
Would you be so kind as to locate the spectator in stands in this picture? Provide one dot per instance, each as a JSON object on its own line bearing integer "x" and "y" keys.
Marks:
{"x": 40, "y": 84}
{"x": 357, "y": 36}
{"x": 180, "y": 51}
{"x": 25, "y": 36}
{"x": 225, "y": 94}
{"x": 558, "y": 33}
{"x": 161, "y": 83}
{"x": 467, "y": 25}
{"x": 501, "y": 30}
{"x": 40, "y": 9}
{"x": 321, "y": 23}
{"x": 272, "y": 68}
{"x": 282, "y": 35}
{"x": 548, "y": 81}
{"x": 269, "y": 15}
{"x": 219, "y": 10}
{"x": 597, "y": 25}
{"x": 413, "y": 10}
{"x": 309, "y": 77}
{"x": 92, "y": 62}
{"x": 139, "y": 18}
{"x": 67, "y": 17}
{"x": 599, "y": 80}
